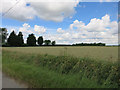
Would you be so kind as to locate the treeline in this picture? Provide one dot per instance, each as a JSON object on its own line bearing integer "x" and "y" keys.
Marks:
{"x": 89, "y": 44}
{"x": 17, "y": 40}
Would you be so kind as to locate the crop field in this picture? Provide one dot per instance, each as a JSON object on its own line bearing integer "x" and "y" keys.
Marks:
{"x": 62, "y": 67}
{"x": 105, "y": 53}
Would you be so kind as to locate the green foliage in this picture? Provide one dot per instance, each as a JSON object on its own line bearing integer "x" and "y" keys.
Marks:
{"x": 12, "y": 40}
{"x": 53, "y": 43}
{"x": 47, "y": 42}
{"x": 3, "y": 35}
{"x": 15, "y": 40}
{"x": 20, "y": 39}
{"x": 89, "y": 44}
{"x": 60, "y": 71}
{"x": 31, "y": 40}
{"x": 40, "y": 40}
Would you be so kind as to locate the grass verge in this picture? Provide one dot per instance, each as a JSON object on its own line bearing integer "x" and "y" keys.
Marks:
{"x": 46, "y": 71}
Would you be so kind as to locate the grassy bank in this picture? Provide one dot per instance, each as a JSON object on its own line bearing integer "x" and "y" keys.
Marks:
{"x": 60, "y": 71}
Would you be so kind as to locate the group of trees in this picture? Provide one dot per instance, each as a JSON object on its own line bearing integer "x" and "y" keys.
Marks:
{"x": 31, "y": 41}
{"x": 89, "y": 44}
{"x": 17, "y": 40}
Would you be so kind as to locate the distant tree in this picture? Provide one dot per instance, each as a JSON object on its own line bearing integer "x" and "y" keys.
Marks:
{"x": 40, "y": 40}
{"x": 53, "y": 42}
{"x": 47, "y": 42}
{"x": 90, "y": 44}
{"x": 3, "y": 35}
{"x": 12, "y": 40}
{"x": 20, "y": 39}
{"x": 31, "y": 40}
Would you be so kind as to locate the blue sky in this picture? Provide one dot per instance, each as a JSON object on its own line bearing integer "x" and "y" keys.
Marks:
{"x": 53, "y": 27}
{"x": 91, "y": 10}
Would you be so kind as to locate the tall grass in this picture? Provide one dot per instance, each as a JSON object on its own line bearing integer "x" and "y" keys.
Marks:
{"x": 60, "y": 71}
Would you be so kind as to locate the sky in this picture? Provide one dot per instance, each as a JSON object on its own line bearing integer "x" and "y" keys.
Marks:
{"x": 65, "y": 21}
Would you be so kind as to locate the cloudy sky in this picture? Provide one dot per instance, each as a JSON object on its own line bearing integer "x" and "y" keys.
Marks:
{"x": 65, "y": 21}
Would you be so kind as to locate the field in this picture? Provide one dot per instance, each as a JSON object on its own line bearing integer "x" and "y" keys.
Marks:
{"x": 63, "y": 67}
{"x": 105, "y": 53}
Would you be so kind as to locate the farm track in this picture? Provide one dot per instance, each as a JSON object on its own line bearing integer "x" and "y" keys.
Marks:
{"x": 8, "y": 82}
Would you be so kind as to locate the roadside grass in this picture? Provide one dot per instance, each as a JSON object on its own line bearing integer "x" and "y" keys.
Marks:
{"x": 47, "y": 71}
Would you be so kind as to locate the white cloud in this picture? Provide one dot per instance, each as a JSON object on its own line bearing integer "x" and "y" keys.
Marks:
{"x": 39, "y": 29}
{"x": 50, "y": 10}
{"x": 100, "y": 0}
{"x": 97, "y": 30}
{"x": 59, "y": 30}
{"x": 53, "y": 10}
{"x": 19, "y": 11}
{"x": 77, "y": 24}
{"x": 26, "y": 29}
{"x": 94, "y": 24}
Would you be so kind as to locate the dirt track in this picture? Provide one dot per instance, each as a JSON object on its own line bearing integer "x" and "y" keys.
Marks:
{"x": 8, "y": 82}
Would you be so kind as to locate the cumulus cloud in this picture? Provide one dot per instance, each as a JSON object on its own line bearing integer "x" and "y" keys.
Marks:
{"x": 53, "y": 10}
{"x": 59, "y": 30}
{"x": 25, "y": 29}
{"x": 97, "y": 30}
{"x": 94, "y": 24}
{"x": 37, "y": 30}
{"x": 50, "y": 10}
{"x": 18, "y": 11}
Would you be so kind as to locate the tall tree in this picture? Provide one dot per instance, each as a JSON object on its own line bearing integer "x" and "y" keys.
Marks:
{"x": 53, "y": 42}
{"x": 12, "y": 40}
{"x": 31, "y": 40}
{"x": 3, "y": 35}
{"x": 40, "y": 40}
{"x": 47, "y": 42}
{"x": 20, "y": 39}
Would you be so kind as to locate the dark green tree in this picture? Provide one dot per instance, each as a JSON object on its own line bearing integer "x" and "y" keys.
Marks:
{"x": 31, "y": 40}
{"x": 53, "y": 42}
{"x": 47, "y": 42}
{"x": 3, "y": 35}
{"x": 20, "y": 39}
{"x": 13, "y": 39}
{"x": 40, "y": 40}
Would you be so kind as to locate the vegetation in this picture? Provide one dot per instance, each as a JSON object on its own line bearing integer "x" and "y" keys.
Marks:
{"x": 47, "y": 42}
{"x": 31, "y": 40}
{"x": 40, "y": 40}
{"x": 17, "y": 40}
{"x": 3, "y": 35}
{"x": 53, "y": 42}
{"x": 92, "y": 67}
{"x": 109, "y": 54}
{"x": 48, "y": 71}
{"x": 89, "y": 44}
{"x": 20, "y": 39}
